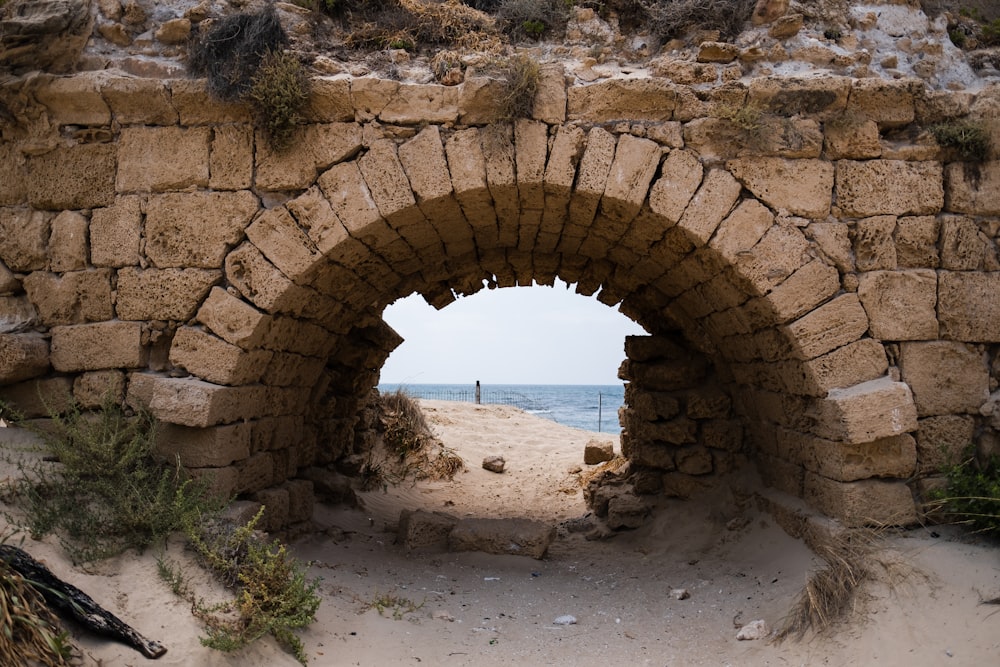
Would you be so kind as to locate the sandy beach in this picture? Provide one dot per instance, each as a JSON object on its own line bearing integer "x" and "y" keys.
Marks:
{"x": 473, "y": 608}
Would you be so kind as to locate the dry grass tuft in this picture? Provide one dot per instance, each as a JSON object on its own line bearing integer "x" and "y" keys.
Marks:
{"x": 31, "y": 632}
{"x": 672, "y": 18}
{"x": 617, "y": 466}
{"x": 410, "y": 24}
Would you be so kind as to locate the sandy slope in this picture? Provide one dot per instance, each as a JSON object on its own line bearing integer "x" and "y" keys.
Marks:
{"x": 478, "y": 609}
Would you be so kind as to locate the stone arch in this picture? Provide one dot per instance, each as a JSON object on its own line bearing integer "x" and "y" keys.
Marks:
{"x": 238, "y": 292}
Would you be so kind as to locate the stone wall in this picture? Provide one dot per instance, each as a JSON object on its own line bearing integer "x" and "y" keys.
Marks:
{"x": 819, "y": 261}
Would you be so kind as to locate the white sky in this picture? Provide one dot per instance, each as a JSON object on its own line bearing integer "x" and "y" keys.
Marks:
{"x": 514, "y": 335}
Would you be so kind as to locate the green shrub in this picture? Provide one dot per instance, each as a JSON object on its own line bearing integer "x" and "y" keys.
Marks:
{"x": 279, "y": 96}
{"x": 970, "y": 139}
{"x": 972, "y": 495}
{"x": 530, "y": 18}
{"x": 272, "y": 594}
{"x": 100, "y": 490}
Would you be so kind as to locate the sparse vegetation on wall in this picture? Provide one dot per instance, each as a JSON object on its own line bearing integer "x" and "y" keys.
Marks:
{"x": 972, "y": 496}
{"x": 970, "y": 139}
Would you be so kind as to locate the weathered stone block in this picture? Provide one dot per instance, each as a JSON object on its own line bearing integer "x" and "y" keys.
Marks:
{"x": 833, "y": 239}
{"x": 231, "y": 159}
{"x": 865, "y": 412}
{"x": 852, "y": 138}
{"x": 163, "y": 158}
{"x": 24, "y": 239}
{"x": 39, "y": 398}
{"x": 867, "y": 502}
{"x": 194, "y": 402}
{"x": 277, "y": 235}
{"x": 424, "y": 530}
{"x": 779, "y": 253}
{"x": 91, "y": 347}
{"x": 73, "y": 177}
{"x": 211, "y": 447}
{"x": 139, "y": 101}
{"x": 627, "y": 511}
{"x": 973, "y": 188}
{"x": 90, "y": 390}
{"x": 846, "y": 366}
{"x": 963, "y": 246}
{"x": 196, "y": 106}
{"x": 517, "y": 537}
{"x": 901, "y": 305}
{"x": 22, "y": 356}
{"x": 276, "y": 504}
{"x": 681, "y": 174}
{"x": 916, "y": 242}
{"x": 162, "y": 294}
{"x": 788, "y": 96}
{"x": 550, "y": 97}
{"x": 873, "y": 243}
{"x": 68, "y": 242}
{"x": 709, "y": 206}
{"x": 595, "y": 452}
{"x": 635, "y": 163}
{"x": 968, "y": 308}
{"x": 288, "y": 369}
{"x": 624, "y": 99}
{"x": 943, "y": 441}
{"x": 802, "y": 291}
{"x": 196, "y": 229}
{"x": 946, "y": 377}
{"x": 71, "y": 298}
{"x": 75, "y": 100}
{"x": 214, "y": 359}
{"x": 116, "y": 233}
{"x": 890, "y": 103}
{"x": 233, "y": 319}
{"x": 323, "y": 145}
{"x": 799, "y": 187}
{"x": 830, "y": 326}
{"x": 889, "y": 187}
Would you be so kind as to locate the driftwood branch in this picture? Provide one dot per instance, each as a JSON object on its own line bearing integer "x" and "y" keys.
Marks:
{"x": 71, "y": 602}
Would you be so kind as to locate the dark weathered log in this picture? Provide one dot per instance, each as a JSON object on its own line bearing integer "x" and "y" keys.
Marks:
{"x": 70, "y": 601}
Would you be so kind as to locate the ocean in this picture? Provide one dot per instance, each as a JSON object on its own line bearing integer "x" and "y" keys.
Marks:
{"x": 592, "y": 407}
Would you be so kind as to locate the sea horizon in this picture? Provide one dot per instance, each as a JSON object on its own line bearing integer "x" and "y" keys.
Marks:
{"x": 591, "y": 407}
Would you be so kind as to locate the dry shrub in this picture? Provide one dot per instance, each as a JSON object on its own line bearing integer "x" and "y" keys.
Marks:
{"x": 279, "y": 96}
{"x": 518, "y": 77}
{"x": 672, "y": 18}
{"x": 831, "y": 595}
{"x": 409, "y": 24}
{"x": 31, "y": 632}
{"x": 532, "y": 18}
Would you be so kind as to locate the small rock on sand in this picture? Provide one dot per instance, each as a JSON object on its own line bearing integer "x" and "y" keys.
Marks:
{"x": 566, "y": 619}
{"x": 754, "y": 630}
{"x": 494, "y": 463}
{"x": 598, "y": 452}
{"x": 680, "y": 594}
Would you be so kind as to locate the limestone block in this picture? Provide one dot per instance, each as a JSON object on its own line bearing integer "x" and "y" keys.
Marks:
{"x": 276, "y": 234}
{"x": 681, "y": 174}
{"x": 90, "y": 390}
{"x": 13, "y": 186}
{"x": 968, "y": 308}
{"x": 530, "y": 152}
{"x": 405, "y": 103}
{"x": 710, "y": 205}
{"x": 721, "y": 139}
{"x": 75, "y": 100}
{"x": 321, "y": 146}
{"x": 24, "y": 239}
{"x": 389, "y": 187}
{"x": 873, "y": 243}
{"x": 623, "y": 99}
{"x": 68, "y": 242}
{"x": 163, "y": 158}
{"x": 467, "y": 168}
{"x": 256, "y": 473}
{"x": 501, "y": 176}
{"x": 424, "y": 530}
{"x": 39, "y": 398}
{"x": 742, "y": 229}
{"x": 288, "y": 369}
{"x": 963, "y": 246}
{"x": 799, "y": 187}
{"x": 651, "y": 405}
{"x": 73, "y": 177}
{"x": 259, "y": 281}
{"x": 292, "y": 335}
{"x": 17, "y": 314}
{"x": 162, "y": 294}
{"x": 788, "y": 96}
{"x": 946, "y": 377}
{"x": 214, "y": 447}
{"x": 479, "y": 101}
{"x": 194, "y": 402}
{"x": 330, "y": 100}
{"x": 196, "y": 229}
{"x": 707, "y": 403}
{"x": 635, "y": 163}
{"x": 895, "y": 456}
{"x": 901, "y": 305}
{"x": 830, "y": 326}
{"x": 71, "y": 298}
{"x": 865, "y": 412}
{"x": 592, "y": 176}
{"x": 195, "y": 106}
{"x": 595, "y": 452}
{"x": 233, "y": 319}
{"x": 22, "y": 356}
{"x": 778, "y": 254}
{"x": 869, "y": 502}
{"x": 943, "y": 441}
{"x": 641, "y": 451}
{"x": 231, "y": 159}
{"x": 693, "y": 460}
{"x": 890, "y": 103}
{"x": 833, "y": 239}
{"x": 973, "y": 188}
{"x": 517, "y": 537}
{"x": 809, "y": 286}
{"x": 92, "y": 347}
{"x": 889, "y": 187}
{"x": 851, "y": 138}
{"x": 627, "y": 511}
{"x": 215, "y": 360}
{"x": 301, "y": 499}
{"x": 852, "y": 364}
{"x": 136, "y": 101}
{"x": 722, "y": 434}
{"x": 916, "y": 242}
{"x": 116, "y": 233}
{"x": 550, "y": 97}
